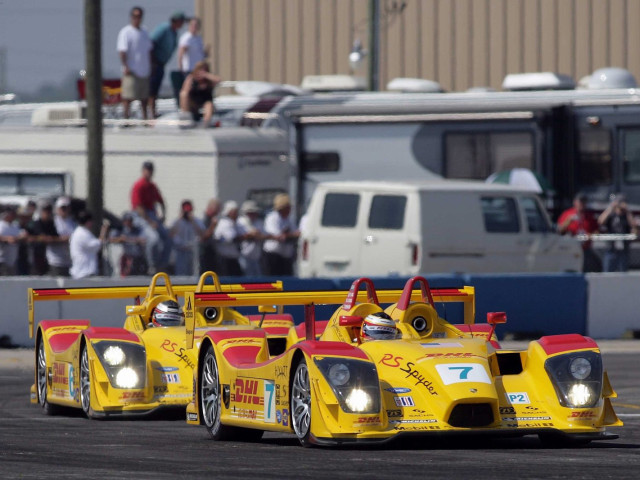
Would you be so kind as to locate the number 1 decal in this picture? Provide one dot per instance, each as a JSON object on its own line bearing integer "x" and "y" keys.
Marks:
{"x": 269, "y": 402}
{"x": 463, "y": 372}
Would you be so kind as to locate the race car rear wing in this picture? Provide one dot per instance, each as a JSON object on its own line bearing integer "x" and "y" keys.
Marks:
{"x": 138, "y": 292}
{"x": 193, "y": 300}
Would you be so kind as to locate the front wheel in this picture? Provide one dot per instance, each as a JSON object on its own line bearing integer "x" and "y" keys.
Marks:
{"x": 85, "y": 383}
{"x": 210, "y": 397}
{"x": 301, "y": 403}
{"x": 41, "y": 376}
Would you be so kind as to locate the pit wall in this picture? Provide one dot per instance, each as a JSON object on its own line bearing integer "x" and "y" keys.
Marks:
{"x": 598, "y": 305}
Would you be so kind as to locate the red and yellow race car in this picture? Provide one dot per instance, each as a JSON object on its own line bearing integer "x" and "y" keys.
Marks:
{"x": 370, "y": 374}
{"x": 142, "y": 366}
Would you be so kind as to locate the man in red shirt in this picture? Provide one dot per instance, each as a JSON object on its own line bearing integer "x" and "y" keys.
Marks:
{"x": 145, "y": 199}
{"x": 576, "y": 221}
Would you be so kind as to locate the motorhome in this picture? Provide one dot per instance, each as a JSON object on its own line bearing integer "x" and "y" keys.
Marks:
{"x": 406, "y": 228}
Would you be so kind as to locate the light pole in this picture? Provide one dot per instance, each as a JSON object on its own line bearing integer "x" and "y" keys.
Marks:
{"x": 374, "y": 43}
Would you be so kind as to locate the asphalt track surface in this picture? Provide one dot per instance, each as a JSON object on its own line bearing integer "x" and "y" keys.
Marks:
{"x": 33, "y": 445}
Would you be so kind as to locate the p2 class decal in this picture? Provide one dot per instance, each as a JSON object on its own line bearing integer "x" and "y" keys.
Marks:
{"x": 518, "y": 398}
{"x": 398, "y": 390}
{"x": 463, "y": 372}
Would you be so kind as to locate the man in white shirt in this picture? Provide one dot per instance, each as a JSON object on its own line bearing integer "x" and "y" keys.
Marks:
{"x": 280, "y": 248}
{"x": 134, "y": 47}
{"x": 191, "y": 48}
{"x": 10, "y": 235}
{"x": 58, "y": 256}
{"x": 251, "y": 248}
{"x": 228, "y": 237}
{"x": 85, "y": 247}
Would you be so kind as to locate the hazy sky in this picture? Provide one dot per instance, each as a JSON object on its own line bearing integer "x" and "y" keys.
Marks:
{"x": 44, "y": 39}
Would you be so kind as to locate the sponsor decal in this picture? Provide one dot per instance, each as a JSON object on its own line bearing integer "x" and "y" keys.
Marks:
{"x": 409, "y": 428}
{"x": 404, "y": 401}
{"x": 390, "y": 360}
{"x": 282, "y": 371}
{"x": 181, "y": 352}
{"x": 419, "y": 379}
{"x": 442, "y": 345}
{"x": 518, "y": 398}
{"x": 278, "y": 416}
{"x": 244, "y": 413}
{"x": 398, "y": 390}
{"x": 281, "y": 394}
{"x": 524, "y": 419}
{"x": 243, "y": 341}
{"x": 162, "y": 389}
{"x": 532, "y": 408}
{"x": 246, "y": 391}
{"x": 582, "y": 415}
{"x": 170, "y": 378}
{"x": 439, "y": 335}
{"x": 60, "y": 374}
{"x": 270, "y": 402}
{"x": 285, "y": 417}
{"x": 452, "y": 355}
{"x": 367, "y": 421}
{"x": 176, "y": 395}
{"x": 72, "y": 390}
{"x": 507, "y": 411}
{"x": 394, "y": 413}
{"x": 167, "y": 369}
{"x": 463, "y": 372}
{"x": 132, "y": 396}
{"x": 193, "y": 417}
{"x": 429, "y": 420}
{"x": 530, "y": 425}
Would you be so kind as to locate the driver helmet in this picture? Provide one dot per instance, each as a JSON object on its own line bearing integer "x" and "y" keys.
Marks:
{"x": 167, "y": 314}
{"x": 378, "y": 326}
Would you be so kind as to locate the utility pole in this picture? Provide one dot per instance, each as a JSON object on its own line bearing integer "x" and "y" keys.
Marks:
{"x": 93, "y": 79}
{"x": 374, "y": 44}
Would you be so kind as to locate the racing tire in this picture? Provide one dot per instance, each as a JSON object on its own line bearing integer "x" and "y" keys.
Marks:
{"x": 42, "y": 382}
{"x": 85, "y": 383}
{"x": 301, "y": 404}
{"x": 211, "y": 398}
{"x": 554, "y": 440}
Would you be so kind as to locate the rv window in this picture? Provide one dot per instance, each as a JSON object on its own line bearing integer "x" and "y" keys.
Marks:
{"x": 264, "y": 197}
{"x": 340, "y": 210}
{"x": 536, "y": 220}
{"x": 387, "y": 212}
{"x": 9, "y": 184}
{"x": 320, "y": 162}
{"x": 631, "y": 155}
{"x": 477, "y": 155}
{"x": 594, "y": 157}
{"x": 500, "y": 215}
{"x": 34, "y": 184}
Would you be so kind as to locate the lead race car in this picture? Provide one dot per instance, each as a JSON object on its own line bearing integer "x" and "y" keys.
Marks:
{"x": 336, "y": 383}
{"x": 140, "y": 367}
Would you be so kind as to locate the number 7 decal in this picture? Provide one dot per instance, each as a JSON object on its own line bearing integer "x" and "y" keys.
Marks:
{"x": 269, "y": 402}
{"x": 463, "y": 372}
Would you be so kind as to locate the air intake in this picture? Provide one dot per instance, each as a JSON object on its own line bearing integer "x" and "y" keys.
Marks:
{"x": 468, "y": 415}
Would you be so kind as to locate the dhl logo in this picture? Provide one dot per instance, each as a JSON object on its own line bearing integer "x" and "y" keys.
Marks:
{"x": 246, "y": 391}
{"x": 243, "y": 341}
{"x": 588, "y": 414}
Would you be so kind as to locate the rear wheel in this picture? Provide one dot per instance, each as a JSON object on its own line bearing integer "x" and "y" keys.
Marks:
{"x": 85, "y": 383}
{"x": 41, "y": 375}
{"x": 301, "y": 403}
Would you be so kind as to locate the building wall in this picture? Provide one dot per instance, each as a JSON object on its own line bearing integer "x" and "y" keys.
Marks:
{"x": 459, "y": 43}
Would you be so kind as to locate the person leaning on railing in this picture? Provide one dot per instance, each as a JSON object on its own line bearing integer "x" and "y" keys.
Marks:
{"x": 617, "y": 219}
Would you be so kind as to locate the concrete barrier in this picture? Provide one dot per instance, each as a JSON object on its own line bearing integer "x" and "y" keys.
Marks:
{"x": 613, "y": 305}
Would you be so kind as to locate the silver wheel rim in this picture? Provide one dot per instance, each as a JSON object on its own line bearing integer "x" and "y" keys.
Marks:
{"x": 210, "y": 391}
{"x": 301, "y": 401}
{"x": 85, "y": 382}
{"x": 42, "y": 375}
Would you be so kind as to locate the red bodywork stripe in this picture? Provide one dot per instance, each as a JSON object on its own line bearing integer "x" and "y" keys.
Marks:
{"x": 110, "y": 333}
{"x": 241, "y": 355}
{"x": 62, "y": 341}
{"x": 47, "y": 324}
{"x": 209, "y": 297}
{"x": 258, "y": 286}
{"x": 475, "y": 328}
{"x": 448, "y": 292}
{"x": 51, "y": 291}
{"x": 271, "y": 316}
{"x": 332, "y": 348}
{"x": 219, "y": 335}
{"x": 565, "y": 343}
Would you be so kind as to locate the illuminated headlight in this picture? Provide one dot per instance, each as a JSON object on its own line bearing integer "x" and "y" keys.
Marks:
{"x": 577, "y": 378}
{"x": 358, "y": 400}
{"x": 127, "y": 378}
{"x": 339, "y": 374}
{"x": 580, "y": 368}
{"x": 114, "y": 355}
{"x": 354, "y": 383}
{"x": 580, "y": 395}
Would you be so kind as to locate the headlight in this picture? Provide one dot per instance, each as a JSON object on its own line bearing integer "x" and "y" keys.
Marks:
{"x": 125, "y": 363}
{"x": 354, "y": 382}
{"x": 577, "y": 378}
{"x": 114, "y": 355}
{"x": 339, "y": 374}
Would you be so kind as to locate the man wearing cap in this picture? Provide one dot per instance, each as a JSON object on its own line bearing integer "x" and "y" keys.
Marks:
{"x": 580, "y": 221}
{"x": 251, "y": 248}
{"x": 145, "y": 200}
{"x": 58, "y": 254}
{"x": 185, "y": 233}
{"x": 282, "y": 235}
{"x": 228, "y": 237}
{"x": 165, "y": 41}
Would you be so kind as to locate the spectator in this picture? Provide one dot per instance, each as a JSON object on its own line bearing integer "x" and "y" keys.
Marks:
{"x": 85, "y": 247}
{"x": 165, "y": 41}
{"x": 185, "y": 233}
{"x": 58, "y": 255}
{"x": 145, "y": 201}
{"x": 580, "y": 221}
{"x": 280, "y": 246}
{"x": 131, "y": 237}
{"x": 228, "y": 236}
{"x": 251, "y": 248}
{"x": 207, "y": 244}
{"x": 10, "y": 236}
{"x": 617, "y": 219}
{"x": 197, "y": 93}
{"x": 134, "y": 47}
{"x": 44, "y": 236}
{"x": 23, "y": 263}
{"x": 191, "y": 49}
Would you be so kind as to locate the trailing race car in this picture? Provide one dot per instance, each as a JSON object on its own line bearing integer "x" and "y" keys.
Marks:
{"x": 370, "y": 375}
{"x": 137, "y": 368}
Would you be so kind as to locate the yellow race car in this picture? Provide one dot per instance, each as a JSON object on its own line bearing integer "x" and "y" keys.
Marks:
{"x": 370, "y": 374}
{"x": 140, "y": 367}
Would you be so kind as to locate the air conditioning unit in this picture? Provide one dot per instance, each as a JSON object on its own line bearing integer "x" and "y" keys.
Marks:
{"x": 58, "y": 115}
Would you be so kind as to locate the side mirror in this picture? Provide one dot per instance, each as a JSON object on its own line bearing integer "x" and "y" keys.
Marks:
{"x": 268, "y": 309}
{"x": 495, "y": 318}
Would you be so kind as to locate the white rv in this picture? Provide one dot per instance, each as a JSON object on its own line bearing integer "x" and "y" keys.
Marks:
{"x": 404, "y": 228}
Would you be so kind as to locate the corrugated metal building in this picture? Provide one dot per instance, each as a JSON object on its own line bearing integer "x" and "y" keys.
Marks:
{"x": 459, "y": 43}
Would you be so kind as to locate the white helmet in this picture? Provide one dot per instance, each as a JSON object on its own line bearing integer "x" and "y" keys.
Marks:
{"x": 167, "y": 314}
{"x": 378, "y": 326}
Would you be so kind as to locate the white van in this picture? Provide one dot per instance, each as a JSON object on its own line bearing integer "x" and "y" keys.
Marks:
{"x": 404, "y": 228}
